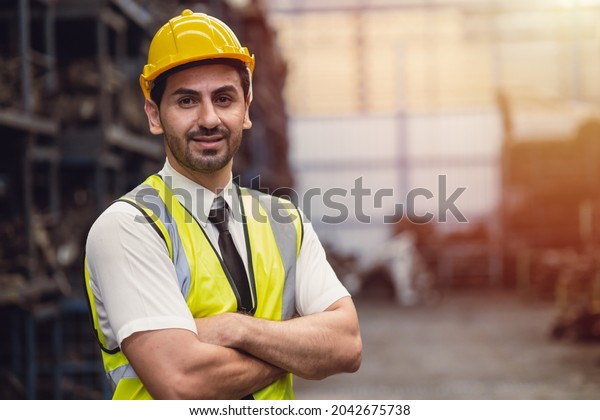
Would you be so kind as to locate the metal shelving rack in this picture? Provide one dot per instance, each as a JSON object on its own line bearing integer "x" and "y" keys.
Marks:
{"x": 43, "y": 305}
{"x": 74, "y": 140}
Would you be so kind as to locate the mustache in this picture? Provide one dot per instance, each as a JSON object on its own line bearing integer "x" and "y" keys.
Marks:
{"x": 203, "y": 131}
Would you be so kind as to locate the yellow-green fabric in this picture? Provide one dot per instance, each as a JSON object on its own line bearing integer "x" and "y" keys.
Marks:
{"x": 273, "y": 230}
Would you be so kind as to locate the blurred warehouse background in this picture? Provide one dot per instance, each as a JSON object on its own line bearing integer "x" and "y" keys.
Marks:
{"x": 494, "y": 104}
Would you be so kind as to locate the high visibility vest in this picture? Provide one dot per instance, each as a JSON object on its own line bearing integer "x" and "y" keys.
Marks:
{"x": 273, "y": 231}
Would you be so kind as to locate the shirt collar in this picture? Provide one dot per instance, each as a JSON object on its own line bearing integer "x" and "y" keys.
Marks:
{"x": 196, "y": 198}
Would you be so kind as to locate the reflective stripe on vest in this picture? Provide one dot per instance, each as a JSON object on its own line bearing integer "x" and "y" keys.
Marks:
{"x": 273, "y": 231}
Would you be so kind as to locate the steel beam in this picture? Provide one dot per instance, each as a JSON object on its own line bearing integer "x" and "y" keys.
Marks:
{"x": 118, "y": 136}
{"x": 22, "y": 121}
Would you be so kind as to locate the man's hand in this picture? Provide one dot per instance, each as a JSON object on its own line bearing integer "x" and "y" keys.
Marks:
{"x": 221, "y": 330}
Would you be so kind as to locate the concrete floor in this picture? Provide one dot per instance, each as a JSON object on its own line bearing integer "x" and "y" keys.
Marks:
{"x": 476, "y": 344}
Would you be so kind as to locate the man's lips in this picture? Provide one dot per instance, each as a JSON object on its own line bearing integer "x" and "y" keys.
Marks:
{"x": 206, "y": 142}
{"x": 207, "y": 139}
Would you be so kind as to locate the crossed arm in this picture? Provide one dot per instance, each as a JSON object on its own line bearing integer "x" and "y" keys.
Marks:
{"x": 174, "y": 364}
{"x": 235, "y": 355}
{"x": 312, "y": 347}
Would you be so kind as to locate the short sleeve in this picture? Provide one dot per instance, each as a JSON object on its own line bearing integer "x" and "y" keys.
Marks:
{"x": 132, "y": 278}
{"x": 317, "y": 285}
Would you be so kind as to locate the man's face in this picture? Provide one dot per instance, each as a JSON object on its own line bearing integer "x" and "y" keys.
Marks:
{"x": 202, "y": 116}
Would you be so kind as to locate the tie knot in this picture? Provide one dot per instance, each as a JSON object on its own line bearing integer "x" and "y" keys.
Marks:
{"x": 218, "y": 214}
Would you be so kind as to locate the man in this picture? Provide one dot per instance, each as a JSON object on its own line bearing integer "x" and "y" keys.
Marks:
{"x": 199, "y": 288}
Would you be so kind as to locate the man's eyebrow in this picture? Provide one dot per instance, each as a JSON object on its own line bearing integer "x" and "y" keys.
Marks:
{"x": 225, "y": 89}
{"x": 184, "y": 91}
{"x": 218, "y": 91}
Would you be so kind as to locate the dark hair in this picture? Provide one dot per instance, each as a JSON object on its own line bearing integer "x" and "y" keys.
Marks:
{"x": 157, "y": 89}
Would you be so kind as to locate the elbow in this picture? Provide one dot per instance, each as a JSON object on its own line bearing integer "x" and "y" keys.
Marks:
{"x": 354, "y": 356}
{"x": 350, "y": 357}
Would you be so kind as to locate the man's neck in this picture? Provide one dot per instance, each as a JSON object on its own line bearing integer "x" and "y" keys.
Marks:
{"x": 215, "y": 181}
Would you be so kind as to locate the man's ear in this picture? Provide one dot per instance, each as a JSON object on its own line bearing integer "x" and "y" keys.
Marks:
{"x": 247, "y": 123}
{"x": 153, "y": 115}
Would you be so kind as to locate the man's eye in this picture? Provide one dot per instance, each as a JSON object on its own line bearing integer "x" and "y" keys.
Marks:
{"x": 223, "y": 100}
{"x": 186, "y": 101}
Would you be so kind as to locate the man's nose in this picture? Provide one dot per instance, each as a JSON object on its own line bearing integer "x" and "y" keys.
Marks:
{"x": 207, "y": 116}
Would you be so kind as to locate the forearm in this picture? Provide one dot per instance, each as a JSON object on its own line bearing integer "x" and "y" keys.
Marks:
{"x": 174, "y": 364}
{"x": 233, "y": 375}
{"x": 311, "y": 347}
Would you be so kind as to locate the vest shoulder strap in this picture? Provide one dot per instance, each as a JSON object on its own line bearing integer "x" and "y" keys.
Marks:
{"x": 280, "y": 212}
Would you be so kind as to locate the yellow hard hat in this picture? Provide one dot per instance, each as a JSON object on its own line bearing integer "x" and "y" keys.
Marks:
{"x": 187, "y": 38}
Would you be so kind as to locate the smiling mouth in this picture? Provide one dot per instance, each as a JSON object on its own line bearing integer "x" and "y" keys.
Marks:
{"x": 211, "y": 139}
{"x": 207, "y": 139}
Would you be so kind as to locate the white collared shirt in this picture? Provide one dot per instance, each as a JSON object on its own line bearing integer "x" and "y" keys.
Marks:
{"x": 199, "y": 205}
{"x": 134, "y": 281}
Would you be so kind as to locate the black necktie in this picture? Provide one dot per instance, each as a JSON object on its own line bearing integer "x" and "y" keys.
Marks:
{"x": 218, "y": 216}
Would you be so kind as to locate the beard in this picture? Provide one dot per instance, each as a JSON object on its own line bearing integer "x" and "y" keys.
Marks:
{"x": 204, "y": 161}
